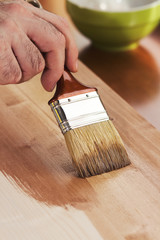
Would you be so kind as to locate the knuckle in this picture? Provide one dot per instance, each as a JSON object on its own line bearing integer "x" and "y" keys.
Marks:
{"x": 15, "y": 75}
{"x": 61, "y": 40}
{"x": 15, "y": 79}
{"x": 64, "y": 22}
{"x": 34, "y": 58}
{"x": 10, "y": 71}
{"x": 9, "y": 24}
{"x": 11, "y": 75}
{"x": 37, "y": 62}
{"x": 40, "y": 64}
{"x": 56, "y": 37}
{"x": 16, "y": 7}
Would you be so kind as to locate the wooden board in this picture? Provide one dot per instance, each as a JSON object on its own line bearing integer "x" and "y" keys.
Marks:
{"x": 40, "y": 195}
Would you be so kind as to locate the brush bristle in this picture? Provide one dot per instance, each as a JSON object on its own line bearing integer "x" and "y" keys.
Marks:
{"x": 96, "y": 149}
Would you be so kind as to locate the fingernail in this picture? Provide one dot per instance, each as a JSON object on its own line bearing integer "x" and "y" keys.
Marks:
{"x": 49, "y": 88}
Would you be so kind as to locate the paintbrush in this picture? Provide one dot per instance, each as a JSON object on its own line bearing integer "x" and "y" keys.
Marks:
{"x": 92, "y": 140}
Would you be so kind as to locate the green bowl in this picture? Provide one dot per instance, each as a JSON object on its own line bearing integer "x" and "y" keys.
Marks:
{"x": 115, "y": 29}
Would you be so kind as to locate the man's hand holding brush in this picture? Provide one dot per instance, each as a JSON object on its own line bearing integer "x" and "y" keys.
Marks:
{"x": 33, "y": 40}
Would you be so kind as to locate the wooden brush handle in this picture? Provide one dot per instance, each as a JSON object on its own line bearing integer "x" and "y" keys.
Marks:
{"x": 68, "y": 86}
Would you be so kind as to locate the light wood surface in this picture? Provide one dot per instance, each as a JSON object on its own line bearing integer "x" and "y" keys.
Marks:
{"x": 40, "y": 194}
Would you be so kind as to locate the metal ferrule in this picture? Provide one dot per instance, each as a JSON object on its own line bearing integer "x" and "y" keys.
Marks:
{"x": 79, "y": 111}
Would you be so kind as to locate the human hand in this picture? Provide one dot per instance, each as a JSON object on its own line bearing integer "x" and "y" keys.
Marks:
{"x": 33, "y": 40}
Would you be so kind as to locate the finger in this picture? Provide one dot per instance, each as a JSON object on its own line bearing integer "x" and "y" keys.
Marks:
{"x": 54, "y": 69}
{"x": 28, "y": 56}
{"x": 10, "y": 71}
{"x": 53, "y": 45}
{"x": 62, "y": 26}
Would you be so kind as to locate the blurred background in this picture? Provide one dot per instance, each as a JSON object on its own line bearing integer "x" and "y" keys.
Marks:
{"x": 134, "y": 74}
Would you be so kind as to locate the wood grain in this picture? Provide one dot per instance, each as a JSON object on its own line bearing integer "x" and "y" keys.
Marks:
{"x": 40, "y": 195}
